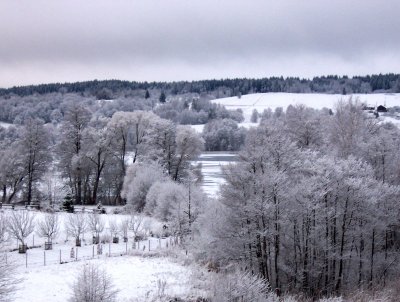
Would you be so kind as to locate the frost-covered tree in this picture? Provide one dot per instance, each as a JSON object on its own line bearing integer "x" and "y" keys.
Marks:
{"x": 254, "y": 116}
{"x": 76, "y": 225}
{"x": 188, "y": 146}
{"x": 223, "y": 135}
{"x": 35, "y": 143}
{"x": 138, "y": 180}
{"x": 304, "y": 126}
{"x": 72, "y": 161}
{"x": 304, "y": 220}
{"x": 176, "y": 204}
{"x": 48, "y": 227}
{"x": 349, "y": 127}
{"x": 136, "y": 225}
{"x": 95, "y": 224}
{"x": 113, "y": 227}
{"x": 241, "y": 286}
{"x": 124, "y": 228}
{"x": 21, "y": 225}
{"x": 129, "y": 132}
{"x": 97, "y": 150}
{"x": 13, "y": 172}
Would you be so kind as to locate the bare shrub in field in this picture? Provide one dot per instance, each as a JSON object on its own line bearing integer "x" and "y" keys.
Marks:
{"x": 241, "y": 287}
{"x": 93, "y": 284}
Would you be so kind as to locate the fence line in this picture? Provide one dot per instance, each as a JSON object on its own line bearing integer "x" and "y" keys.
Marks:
{"x": 68, "y": 254}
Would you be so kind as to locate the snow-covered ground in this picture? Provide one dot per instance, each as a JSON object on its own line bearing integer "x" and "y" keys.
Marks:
{"x": 134, "y": 277}
{"x": 135, "y": 269}
{"x": 5, "y": 125}
{"x": 261, "y": 101}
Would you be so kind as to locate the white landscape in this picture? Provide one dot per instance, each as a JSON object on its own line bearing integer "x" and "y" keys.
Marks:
{"x": 136, "y": 267}
{"x": 199, "y": 151}
{"x": 136, "y": 272}
{"x": 263, "y": 101}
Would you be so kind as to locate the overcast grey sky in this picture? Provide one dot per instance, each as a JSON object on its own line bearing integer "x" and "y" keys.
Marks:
{"x": 45, "y": 41}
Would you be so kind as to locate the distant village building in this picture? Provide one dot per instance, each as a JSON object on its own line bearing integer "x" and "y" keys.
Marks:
{"x": 381, "y": 108}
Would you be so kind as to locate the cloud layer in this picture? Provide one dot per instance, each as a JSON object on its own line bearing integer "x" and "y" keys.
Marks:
{"x": 70, "y": 40}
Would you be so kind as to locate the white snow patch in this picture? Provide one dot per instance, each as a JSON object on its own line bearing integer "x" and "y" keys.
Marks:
{"x": 5, "y": 125}
{"x": 261, "y": 101}
{"x": 133, "y": 276}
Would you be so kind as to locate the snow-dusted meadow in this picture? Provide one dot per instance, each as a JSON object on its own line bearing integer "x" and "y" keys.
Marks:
{"x": 135, "y": 268}
{"x": 135, "y": 277}
{"x": 261, "y": 101}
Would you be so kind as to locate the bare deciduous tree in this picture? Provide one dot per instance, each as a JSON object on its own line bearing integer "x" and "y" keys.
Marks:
{"x": 124, "y": 228}
{"x": 76, "y": 225}
{"x": 113, "y": 226}
{"x": 93, "y": 284}
{"x": 96, "y": 224}
{"x": 48, "y": 227}
{"x": 20, "y": 225}
{"x": 135, "y": 225}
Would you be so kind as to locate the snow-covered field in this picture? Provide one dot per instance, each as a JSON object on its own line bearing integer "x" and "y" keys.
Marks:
{"x": 134, "y": 277}
{"x": 261, "y": 101}
{"x": 135, "y": 270}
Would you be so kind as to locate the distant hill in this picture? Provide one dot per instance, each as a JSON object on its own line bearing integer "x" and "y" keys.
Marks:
{"x": 332, "y": 84}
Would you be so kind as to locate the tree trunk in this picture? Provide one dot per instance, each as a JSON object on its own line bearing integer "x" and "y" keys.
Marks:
{"x": 342, "y": 243}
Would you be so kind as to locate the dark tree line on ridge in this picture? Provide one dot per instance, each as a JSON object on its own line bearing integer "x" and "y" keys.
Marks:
{"x": 107, "y": 89}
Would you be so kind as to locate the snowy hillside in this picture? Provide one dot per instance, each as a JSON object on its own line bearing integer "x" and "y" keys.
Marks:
{"x": 261, "y": 101}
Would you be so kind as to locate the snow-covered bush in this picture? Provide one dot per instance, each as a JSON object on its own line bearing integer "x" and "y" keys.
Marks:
{"x": 138, "y": 180}
{"x": 93, "y": 284}
{"x": 241, "y": 287}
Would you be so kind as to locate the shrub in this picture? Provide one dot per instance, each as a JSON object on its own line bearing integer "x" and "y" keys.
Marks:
{"x": 93, "y": 284}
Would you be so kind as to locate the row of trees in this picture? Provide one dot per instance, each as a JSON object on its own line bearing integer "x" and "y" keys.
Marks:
{"x": 109, "y": 89}
{"x": 19, "y": 225}
{"x": 90, "y": 154}
{"x": 312, "y": 206}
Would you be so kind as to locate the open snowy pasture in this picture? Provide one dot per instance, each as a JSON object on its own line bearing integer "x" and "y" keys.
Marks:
{"x": 135, "y": 277}
{"x": 261, "y": 101}
{"x": 136, "y": 268}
